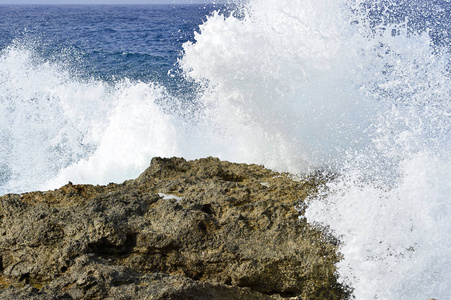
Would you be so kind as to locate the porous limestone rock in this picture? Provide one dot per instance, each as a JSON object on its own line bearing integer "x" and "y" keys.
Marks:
{"x": 203, "y": 229}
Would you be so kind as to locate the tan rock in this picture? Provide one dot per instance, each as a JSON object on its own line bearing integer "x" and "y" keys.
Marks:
{"x": 203, "y": 229}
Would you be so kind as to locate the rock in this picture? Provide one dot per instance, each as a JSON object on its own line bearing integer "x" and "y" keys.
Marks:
{"x": 203, "y": 229}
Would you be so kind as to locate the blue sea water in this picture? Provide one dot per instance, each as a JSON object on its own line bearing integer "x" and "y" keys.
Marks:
{"x": 107, "y": 42}
{"x": 360, "y": 88}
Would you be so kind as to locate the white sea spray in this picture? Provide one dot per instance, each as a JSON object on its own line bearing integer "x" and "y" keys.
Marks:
{"x": 293, "y": 85}
{"x": 301, "y": 85}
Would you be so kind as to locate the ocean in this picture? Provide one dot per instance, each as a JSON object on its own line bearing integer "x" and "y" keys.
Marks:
{"x": 359, "y": 90}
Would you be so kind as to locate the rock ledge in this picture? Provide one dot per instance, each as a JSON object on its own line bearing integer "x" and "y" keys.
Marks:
{"x": 203, "y": 229}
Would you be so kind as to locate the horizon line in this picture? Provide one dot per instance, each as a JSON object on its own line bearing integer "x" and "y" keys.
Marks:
{"x": 109, "y": 4}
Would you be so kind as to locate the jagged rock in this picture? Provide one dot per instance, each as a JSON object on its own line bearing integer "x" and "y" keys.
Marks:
{"x": 203, "y": 229}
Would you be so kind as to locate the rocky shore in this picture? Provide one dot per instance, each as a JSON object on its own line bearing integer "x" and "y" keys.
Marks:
{"x": 203, "y": 229}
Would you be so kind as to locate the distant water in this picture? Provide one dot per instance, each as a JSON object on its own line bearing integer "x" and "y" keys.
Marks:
{"x": 357, "y": 88}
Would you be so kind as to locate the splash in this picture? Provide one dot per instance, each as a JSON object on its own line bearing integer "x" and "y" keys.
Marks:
{"x": 280, "y": 83}
{"x": 57, "y": 127}
{"x": 357, "y": 88}
{"x": 43, "y": 127}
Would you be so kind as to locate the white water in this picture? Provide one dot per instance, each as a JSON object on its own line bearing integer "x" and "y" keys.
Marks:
{"x": 292, "y": 85}
{"x": 57, "y": 128}
{"x": 296, "y": 86}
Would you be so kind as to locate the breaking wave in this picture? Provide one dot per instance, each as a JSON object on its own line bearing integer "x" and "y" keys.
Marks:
{"x": 357, "y": 88}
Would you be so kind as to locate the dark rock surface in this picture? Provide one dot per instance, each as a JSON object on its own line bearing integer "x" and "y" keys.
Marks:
{"x": 203, "y": 229}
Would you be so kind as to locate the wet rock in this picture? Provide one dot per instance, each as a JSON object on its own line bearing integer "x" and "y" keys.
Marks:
{"x": 203, "y": 229}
